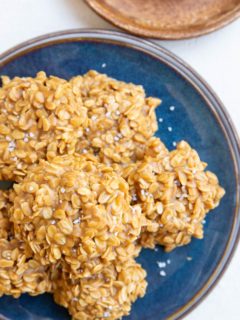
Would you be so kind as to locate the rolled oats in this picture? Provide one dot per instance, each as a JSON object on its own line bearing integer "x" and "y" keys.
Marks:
{"x": 75, "y": 202}
{"x": 108, "y": 294}
{"x": 175, "y": 195}
{"x": 20, "y": 272}
{"x": 5, "y": 225}
{"x": 94, "y": 186}
{"x": 43, "y": 117}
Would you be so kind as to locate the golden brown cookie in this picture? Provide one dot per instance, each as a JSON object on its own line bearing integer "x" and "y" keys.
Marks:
{"x": 121, "y": 117}
{"x": 44, "y": 116}
{"x": 175, "y": 195}
{"x": 20, "y": 272}
{"x": 106, "y": 295}
{"x": 77, "y": 209}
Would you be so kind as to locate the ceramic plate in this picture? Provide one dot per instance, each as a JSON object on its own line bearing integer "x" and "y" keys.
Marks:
{"x": 198, "y": 117}
{"x": 168, "y": 19}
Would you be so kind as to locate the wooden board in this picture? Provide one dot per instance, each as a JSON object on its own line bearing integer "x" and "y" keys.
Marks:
{"x": 168, "y": 19}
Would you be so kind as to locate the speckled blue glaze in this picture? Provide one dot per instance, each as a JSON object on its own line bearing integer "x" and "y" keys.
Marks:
{"x": 191, "y": 120}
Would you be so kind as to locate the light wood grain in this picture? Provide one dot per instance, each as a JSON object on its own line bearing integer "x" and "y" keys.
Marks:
{"x": 168, "y": 19}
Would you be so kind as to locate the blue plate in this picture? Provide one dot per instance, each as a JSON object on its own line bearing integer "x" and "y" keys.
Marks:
{"x": 198, "y": 117}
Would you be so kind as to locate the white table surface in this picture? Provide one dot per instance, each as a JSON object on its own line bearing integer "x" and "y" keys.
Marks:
{"x": 216, "y": 57}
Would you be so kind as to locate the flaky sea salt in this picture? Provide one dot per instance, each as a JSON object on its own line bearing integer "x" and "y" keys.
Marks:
{"x": 11, "y": 146}
{"x": 94, "y": 118}
{"x": 134, "y": 197}
{"x": 76, "y": 221}
{"x": 161, "y": 264}
{"x": 74, "y": 299}
{"x": 106, "y": 314}
{"x": 162, "y": 273}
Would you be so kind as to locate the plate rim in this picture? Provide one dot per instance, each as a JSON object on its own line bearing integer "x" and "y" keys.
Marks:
{"x": 131, "y": 27}
{"x": 191, "y": 76}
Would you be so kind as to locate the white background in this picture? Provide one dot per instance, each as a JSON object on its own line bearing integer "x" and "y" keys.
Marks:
{"x": 216, "y": 57}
